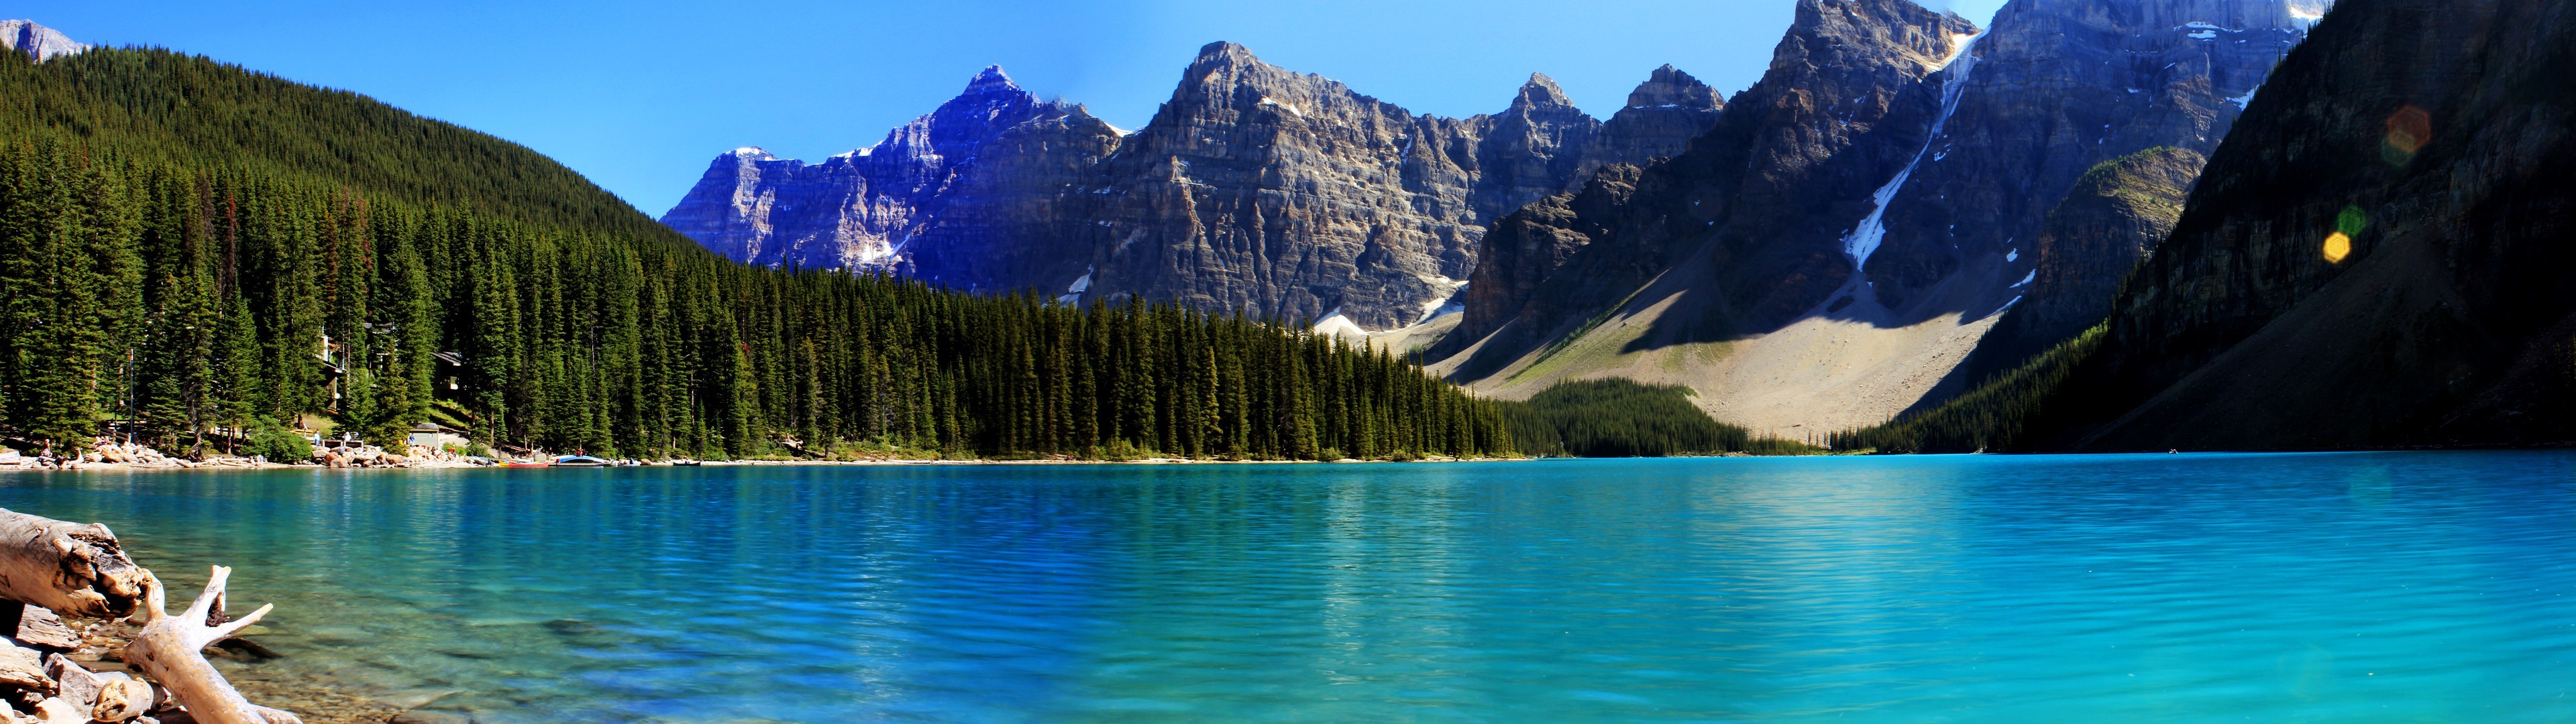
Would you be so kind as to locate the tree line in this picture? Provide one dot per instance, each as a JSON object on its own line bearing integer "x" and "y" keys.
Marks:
{"x": 1625, "y": 418}
{"x": 2015, "y": 411}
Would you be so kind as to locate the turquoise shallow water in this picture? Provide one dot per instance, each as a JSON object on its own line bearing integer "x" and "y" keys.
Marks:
{"x": 2347, "y": 587}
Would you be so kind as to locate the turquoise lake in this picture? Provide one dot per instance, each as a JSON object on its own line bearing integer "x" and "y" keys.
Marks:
{"x": 2329, "y": 587}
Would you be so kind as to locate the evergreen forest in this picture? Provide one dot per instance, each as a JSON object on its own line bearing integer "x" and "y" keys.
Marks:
{"x": 201, "y": 256}
{"x": 2012, "y": 412}
{"x": 1624, "y": 418}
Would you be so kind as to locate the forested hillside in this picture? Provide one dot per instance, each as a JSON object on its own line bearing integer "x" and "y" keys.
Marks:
{"x": 203, "y": 249}
{"x": 1623, "y": 418}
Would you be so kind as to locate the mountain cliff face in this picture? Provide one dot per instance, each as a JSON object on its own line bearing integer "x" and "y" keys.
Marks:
{"x": 2117, "y": 213}
{"x": 1843, "y": 239}
{"x": 1661, "y": 118}
{"x": 2377, "y": 256}
{"x": 994, "y": 160}
{"x": 1254, "y": 188}
{"x": 1291, "y": 195}
{"x": 2061, "y": 86}
{"x": 38, "y": 42}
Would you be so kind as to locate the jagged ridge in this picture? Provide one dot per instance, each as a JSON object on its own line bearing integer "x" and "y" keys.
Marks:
{"x": 1256, "y": 188}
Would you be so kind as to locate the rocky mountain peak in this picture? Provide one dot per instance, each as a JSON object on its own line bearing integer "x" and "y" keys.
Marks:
{"x": 1222, "y": 54}
{"x": 1541, "y": 91}
{"x": 40, "y": 43}
{"x": 1670, "y": 87}
{"x": 992, "y": 80}
{"x": 1830, "y": 29}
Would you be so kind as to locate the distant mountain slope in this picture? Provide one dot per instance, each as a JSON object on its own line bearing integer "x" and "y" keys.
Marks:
{"x": 2378, "y": 256}
{"x": 1254, "y": 187}
{"x": 995, "y": 153}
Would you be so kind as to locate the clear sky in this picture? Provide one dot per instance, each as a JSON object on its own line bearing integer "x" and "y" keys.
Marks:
{"x": 640, "y": 95}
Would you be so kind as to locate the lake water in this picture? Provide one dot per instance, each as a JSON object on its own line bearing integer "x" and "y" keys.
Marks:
{"x": 2342, "y": 587}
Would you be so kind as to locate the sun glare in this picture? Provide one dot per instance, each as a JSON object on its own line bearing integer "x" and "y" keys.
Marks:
{"x": 2408, "y": 130}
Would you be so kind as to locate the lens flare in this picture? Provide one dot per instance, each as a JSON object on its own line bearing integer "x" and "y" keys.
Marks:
{"x": 2352, "y": 221}
{"x": 2408, "y": 130}
{"x": 2338, "y": 246}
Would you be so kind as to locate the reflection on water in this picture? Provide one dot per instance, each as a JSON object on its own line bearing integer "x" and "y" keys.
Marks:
{"x": 2421, "y": 586}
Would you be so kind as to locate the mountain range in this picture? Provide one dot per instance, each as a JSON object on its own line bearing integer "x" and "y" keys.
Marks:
{"x": 1827, "y": 249}
{"x": 1255, "y": 188}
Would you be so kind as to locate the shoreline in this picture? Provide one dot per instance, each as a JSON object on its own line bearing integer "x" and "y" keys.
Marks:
{"x": 237, "y": 464}
{"x": 108, "y": 454}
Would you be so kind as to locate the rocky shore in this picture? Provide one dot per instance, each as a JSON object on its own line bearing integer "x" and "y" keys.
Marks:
{"x": 110, "y": 455}
{"x": 77, "y": 661}
{"x": 73, "y": 671}
{"x": 107, "y": 454}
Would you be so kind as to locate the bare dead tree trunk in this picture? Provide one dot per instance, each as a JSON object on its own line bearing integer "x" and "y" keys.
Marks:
{"x": 171, "y": 651}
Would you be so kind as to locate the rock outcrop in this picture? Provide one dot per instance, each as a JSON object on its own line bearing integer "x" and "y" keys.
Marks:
{"x": 1662, "y": 116}
{"x": 38, "y": 42}
{"x": 2378, "y": 254}
{"x": 1255, "y": 188}
{"x": 1290, "y": 195}
{"x": 2117, "y": 213}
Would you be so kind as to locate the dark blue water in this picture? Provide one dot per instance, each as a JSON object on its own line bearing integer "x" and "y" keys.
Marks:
{"x": 2356, "y": 587}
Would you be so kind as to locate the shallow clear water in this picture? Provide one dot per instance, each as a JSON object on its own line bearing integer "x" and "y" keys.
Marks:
{"x": 2349, "y": 587}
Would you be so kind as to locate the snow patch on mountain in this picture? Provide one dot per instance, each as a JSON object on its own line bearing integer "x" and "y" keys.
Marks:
{"x": 40, "y": 43}
{"x": 1073, "y": 294}
{"x": 2245, "y": 100}
{"x": 1335, "y": 324}
{"x": 1864, "y": 239}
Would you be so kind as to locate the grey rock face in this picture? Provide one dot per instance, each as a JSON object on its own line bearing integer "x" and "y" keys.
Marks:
{"x": 1292, "y": 196}
{"x": 1524, "y": 250}
{"x": 1254, "y": 188}
{"x": 1661, "y": 118}
{"x": 38, "y": 42}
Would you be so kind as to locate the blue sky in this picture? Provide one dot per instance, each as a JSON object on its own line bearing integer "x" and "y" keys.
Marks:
{"x": 641, "y": 95}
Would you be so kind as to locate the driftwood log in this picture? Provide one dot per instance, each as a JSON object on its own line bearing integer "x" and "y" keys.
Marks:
{"x": 73, "y": 569}
{"x": 80, "y": 570}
